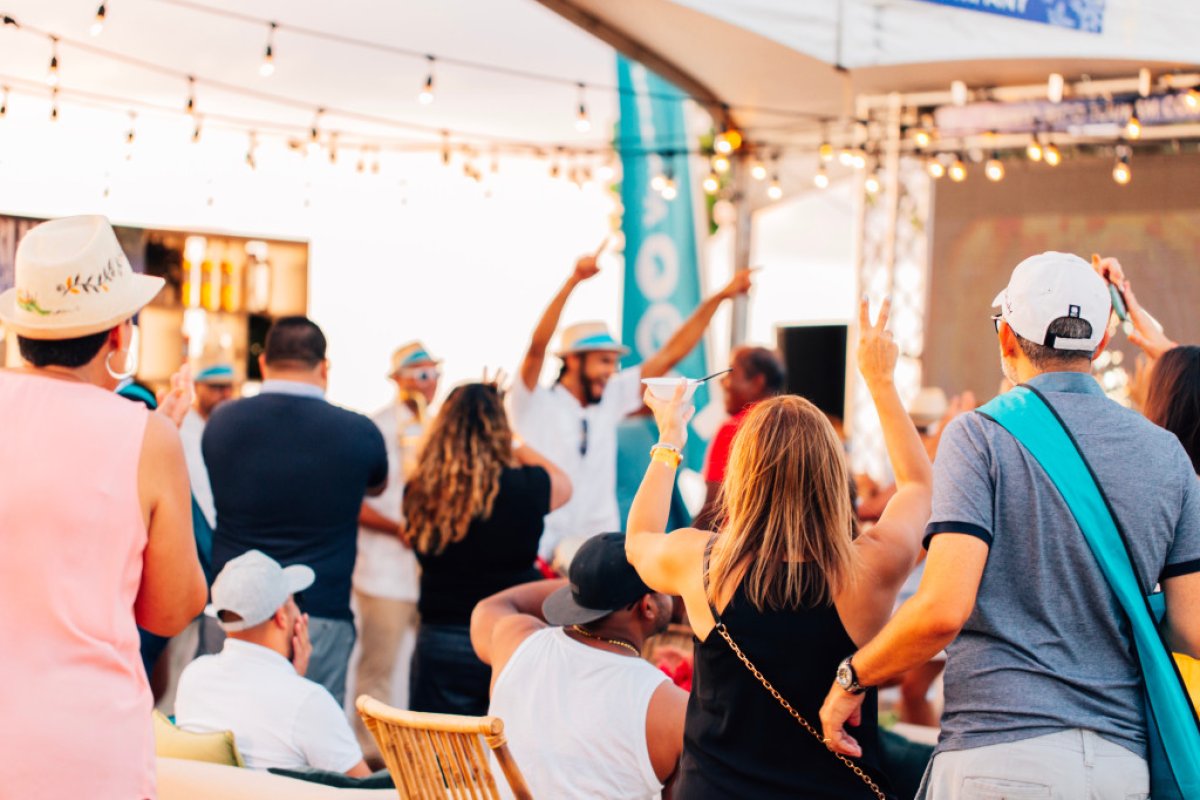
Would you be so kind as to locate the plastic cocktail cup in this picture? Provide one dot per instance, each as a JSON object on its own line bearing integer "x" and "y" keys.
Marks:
{"x": 664, "y": 388}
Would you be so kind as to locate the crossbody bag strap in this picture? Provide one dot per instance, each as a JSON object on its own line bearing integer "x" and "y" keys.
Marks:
{"x": 1032, "y": 421}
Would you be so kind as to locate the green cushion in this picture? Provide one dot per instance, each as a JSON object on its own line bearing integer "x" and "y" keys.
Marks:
{"x": 215, "y": 748}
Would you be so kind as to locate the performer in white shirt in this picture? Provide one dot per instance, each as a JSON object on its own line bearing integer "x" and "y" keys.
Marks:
{"x": 386, "y": 579}
{"x": 574, "y": 421}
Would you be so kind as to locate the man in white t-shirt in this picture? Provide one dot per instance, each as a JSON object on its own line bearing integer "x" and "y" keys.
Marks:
{"x": 255, "y": 687}
{"x": 214, "y": 385}
{"x": 546, "y": 680}
{"x": 574, "y": 421}
{"x": 386, "y": 580}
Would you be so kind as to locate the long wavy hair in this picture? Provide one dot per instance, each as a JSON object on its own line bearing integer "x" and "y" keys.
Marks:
{"x": 457, "y": 476}
{"x": 1173, "y": 399}
{"x": 788, "y": 521}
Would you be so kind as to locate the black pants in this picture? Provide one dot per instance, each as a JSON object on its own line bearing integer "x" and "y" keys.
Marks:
{"x": 447, "y": 677}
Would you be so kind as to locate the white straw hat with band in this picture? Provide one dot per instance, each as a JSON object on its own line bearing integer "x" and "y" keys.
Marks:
{"x": 410, "y": 355}
{"x": 589, "y": 337}
{"x": 72, "y": 280}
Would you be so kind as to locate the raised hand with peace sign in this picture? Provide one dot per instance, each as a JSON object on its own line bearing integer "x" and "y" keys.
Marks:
{"x": 877, "y": 349}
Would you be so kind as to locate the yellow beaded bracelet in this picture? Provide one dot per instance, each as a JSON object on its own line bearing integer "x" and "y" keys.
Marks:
{"x": 666, "y": 455}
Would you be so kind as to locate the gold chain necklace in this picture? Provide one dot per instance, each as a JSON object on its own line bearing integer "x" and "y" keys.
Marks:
{"x": 582, "y": 631}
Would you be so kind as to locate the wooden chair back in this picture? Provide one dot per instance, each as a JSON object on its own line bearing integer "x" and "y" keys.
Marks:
{"x": 441, "y": 756}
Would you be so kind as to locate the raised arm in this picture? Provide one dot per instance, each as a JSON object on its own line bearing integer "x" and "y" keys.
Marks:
{"x": 891, "y": 546}
{"x": 1147, "y": 333}
{"x": 535, "y": 356}
{"x": 507, "y": 616}
{"x": 693, "y": 328}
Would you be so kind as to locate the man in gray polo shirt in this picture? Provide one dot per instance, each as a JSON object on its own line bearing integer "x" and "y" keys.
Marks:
{"x": 1043, "y": 692}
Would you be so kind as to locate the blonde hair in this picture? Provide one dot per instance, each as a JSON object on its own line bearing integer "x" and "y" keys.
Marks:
{"x": 785, "y": 502}
{"x": 457, "y": 477}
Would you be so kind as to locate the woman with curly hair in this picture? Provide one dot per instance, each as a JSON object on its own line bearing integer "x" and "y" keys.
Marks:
{"x": 474, "y": 508}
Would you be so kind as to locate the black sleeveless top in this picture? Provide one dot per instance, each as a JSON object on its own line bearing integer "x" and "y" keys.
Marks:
{"x": 738, "y": 741}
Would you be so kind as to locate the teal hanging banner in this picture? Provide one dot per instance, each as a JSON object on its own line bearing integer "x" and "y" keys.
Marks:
{"x": 662, "y": 270}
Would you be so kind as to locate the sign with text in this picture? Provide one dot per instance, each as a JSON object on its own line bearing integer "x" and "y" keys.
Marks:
{"x": 1080, "y": 15}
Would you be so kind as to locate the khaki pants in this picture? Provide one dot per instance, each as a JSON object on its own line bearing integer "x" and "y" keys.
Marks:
{"x": 1068, "y": 765}
{"x": 382, "y": 626}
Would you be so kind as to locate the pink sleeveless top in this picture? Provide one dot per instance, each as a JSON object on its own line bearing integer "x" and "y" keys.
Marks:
{"x": 74, "y": 701}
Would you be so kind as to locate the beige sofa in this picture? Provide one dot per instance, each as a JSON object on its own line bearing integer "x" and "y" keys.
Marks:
{"x": 197, "y": 780}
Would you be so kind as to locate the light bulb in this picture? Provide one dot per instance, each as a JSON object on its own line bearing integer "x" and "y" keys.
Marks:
{"x": 871, "y": 184}
{"x": 658, "y": 182}
{"x": 1133, "y": 128}
{"x": 720, "y": 164}
{"x": 734, "y": 137}
{"x": 825, "y": 151}
{"x": 1121, "y": 173}
{"x": 935, "y": 168}
{"x": 958, "y": 170}
{"x": 425, "y": 97}
{"x": 775, "y": 190}
{"x": 582, "y": 123}
{"x": 821, "y": 179}
{"x": 669, "y": 192}
{"x": 994, "y": 169}
{"x": 846, "y": 157}
{"x": 52, "y": 72}
{"x": 605, "y": 173}
{"x": 1192, "y": 98}
{"x": 722, "y": 145}
{"x": 196, "y": 132}
{"x": 98, "y": 24}
{"x": 758, "y": 171}
{"x": 1054, "y": 88}
{"x": 1034, "y": 150}
{"x": 860, "y": 159}
{"x": 922, "y": 138}
{"x": 1051, "y": 155}
{"x": 267, "y": 68}
{"x": 712, "y": 183}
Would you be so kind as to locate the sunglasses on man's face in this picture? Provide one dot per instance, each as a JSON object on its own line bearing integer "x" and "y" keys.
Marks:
{"x": 996, "y": 320}
{"x": 422, "y": 374}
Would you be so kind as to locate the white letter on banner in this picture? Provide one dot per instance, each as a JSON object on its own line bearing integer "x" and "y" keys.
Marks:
{"x": 657, "y": 267}
{"x": 656, "y": 326}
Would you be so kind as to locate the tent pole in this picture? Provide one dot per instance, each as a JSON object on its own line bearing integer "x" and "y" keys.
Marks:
{"x": 742, "y": 239}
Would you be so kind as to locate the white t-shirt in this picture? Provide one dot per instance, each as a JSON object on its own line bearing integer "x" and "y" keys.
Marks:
{"x": 575, "y": 719}
{"x": 191, "y": 431}
{"x": 385, "y": 567}
{"x": 278, "y": 719}
{"x": 552, "y": 421}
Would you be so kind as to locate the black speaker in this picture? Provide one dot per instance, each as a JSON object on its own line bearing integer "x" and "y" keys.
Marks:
{"x": 815, "y": 358}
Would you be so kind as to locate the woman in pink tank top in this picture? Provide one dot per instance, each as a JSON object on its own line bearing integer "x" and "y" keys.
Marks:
{"x": 95, "y": 524}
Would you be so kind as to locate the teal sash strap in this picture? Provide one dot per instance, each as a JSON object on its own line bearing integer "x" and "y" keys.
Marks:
{"x": 1173, "y": 734}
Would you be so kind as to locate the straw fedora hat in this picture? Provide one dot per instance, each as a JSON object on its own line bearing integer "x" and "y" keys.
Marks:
{"x": 410, "y": 354}
{"x": 72, "y": 279}
{"x": 589, "y": 337}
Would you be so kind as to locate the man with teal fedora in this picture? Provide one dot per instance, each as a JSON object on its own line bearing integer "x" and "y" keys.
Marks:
{"x": 215, "y": 384}
{"x": 574, "y": 421}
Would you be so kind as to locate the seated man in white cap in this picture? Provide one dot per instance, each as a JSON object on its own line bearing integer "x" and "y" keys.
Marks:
{"x": 574, "y": 421}
{"x": 561, "y": 654}
{"x": 386, "y": 578}
{"x": 255, "y": 687}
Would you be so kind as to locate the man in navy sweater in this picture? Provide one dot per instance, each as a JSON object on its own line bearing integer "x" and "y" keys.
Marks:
{"x": 289, "y": 472}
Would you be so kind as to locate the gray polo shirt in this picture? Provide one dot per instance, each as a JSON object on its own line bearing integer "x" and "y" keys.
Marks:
{"x": 1047, "y": 647}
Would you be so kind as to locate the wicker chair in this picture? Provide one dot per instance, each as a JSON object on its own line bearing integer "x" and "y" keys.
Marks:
{"x": 440, "y": 756}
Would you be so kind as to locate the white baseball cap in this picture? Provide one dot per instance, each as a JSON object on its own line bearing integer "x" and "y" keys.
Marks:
{"x": 1051, "y": 285}
{"x": 254, "y": 586}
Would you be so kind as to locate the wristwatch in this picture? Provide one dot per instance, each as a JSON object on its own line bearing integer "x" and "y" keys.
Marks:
{"x": 847, "y": 678}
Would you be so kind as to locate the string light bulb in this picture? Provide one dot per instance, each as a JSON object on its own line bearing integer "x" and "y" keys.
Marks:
{"x": 1052, "y": 155}
{"x": 958, "y": 170}
{"x": 425, "y": 97}
{"x": 720, "y": 164}
{"x": 1133, "y": 128}
{"x": 1034, "y": 149}
{"x": 821, "y": 179}
{"x": 1191, "y": 98}
{"x": 1122, "y": 173}
{"x": 267, "y": 68}
{"x": 196, "y": 131}
{"x": 872, "y": 184}
{"x": 825, "y": 152}
{"x": 191, "y": 101}
{"x": 712, "y": 183}
{"x": 3, "y": 101}
{"x": 859, "y": 160}
{"x": 604, "y": 172}
{"x": 846, "y": 157}
{"x": 658, "y": 182}
{"x": 727, "y": 141}
{"x": 994, "y": 168}
{"x": 98, "y": 23}
{"x": 251, "y": 160}
{"x": 669, "y": 192}
{"x": 775, "y": 190}
{"x": 922, "y": 138}
{"x": 582, "y": 124}
{"x": 54, "y": 104}
{"x": 935, "y": 168}
{"x": 52, "y": 72}
{"x": 758, "y": 170}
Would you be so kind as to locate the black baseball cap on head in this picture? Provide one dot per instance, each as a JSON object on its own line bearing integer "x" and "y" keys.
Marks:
{"x": 601, "y": 581}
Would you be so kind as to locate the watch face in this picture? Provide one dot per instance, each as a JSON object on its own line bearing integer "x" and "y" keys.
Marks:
{"x": 844, "y": 678}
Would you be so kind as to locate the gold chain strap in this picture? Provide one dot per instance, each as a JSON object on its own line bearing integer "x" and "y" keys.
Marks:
{"x": 737, "y": 651}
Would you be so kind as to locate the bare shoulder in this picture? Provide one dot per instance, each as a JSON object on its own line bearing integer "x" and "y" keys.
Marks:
{"x": 161, "y": 437}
